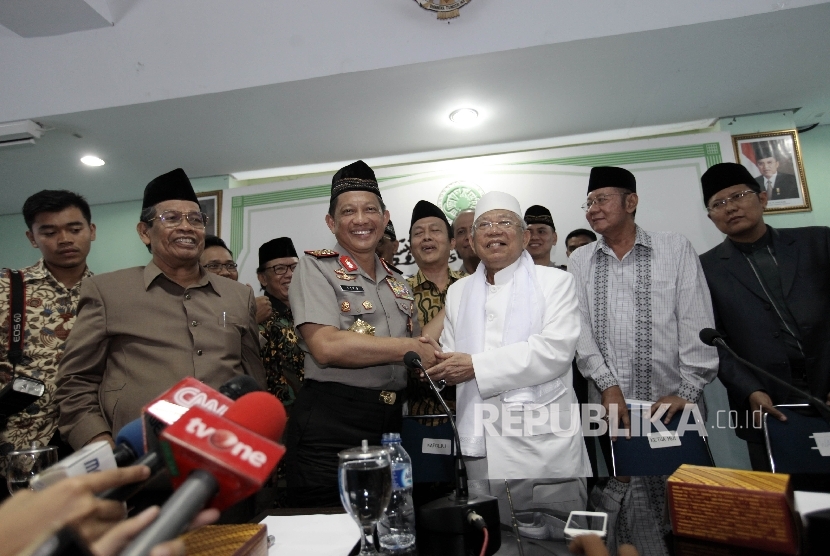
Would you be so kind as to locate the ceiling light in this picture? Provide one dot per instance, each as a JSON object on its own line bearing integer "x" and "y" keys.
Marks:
{"x": 463, "y": 116}
{"x": 90, "y": 160}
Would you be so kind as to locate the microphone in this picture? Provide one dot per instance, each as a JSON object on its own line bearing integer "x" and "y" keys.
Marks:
{"x": 215, "y": 460}
{"x": 97, "y": 456}
{"x": 452, "y": 523}
{"x": 238, "y": 386}
{"x": 188, "y": 392}
{"x": 131, "y": 439}
{"x": 412, "y": 360}
{"x": 712, "y": 337}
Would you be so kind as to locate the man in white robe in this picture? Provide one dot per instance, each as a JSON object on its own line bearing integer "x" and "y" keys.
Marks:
{"x": 509, "y": 338}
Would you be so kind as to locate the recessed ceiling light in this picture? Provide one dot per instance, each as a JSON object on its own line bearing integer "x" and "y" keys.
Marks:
{"x": 463, "y": 116}
{"x": 90, "y": 160}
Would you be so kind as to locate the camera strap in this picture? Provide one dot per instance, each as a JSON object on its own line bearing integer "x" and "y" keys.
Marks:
{"x": 17, "y": 320}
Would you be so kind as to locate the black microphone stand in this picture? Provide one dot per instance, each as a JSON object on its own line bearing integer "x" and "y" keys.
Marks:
{"x": 449, "y": 526}
{"x": 712, "y": 337}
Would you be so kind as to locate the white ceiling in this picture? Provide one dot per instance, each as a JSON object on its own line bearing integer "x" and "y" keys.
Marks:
{"x": 220, "y": 87}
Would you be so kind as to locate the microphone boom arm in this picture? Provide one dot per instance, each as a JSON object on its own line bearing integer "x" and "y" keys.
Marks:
{"x": 462, "y": 491}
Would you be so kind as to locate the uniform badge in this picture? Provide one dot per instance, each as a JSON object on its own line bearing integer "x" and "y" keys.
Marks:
{"x": 367, "y": 305}
{"x": 348, "y": 263}
{"x": 362, "y": 327}
{"x": 345, "y": 306}
{"x": 322, "y": 253}
{"x": 400, "y": 289}
{"x": 343, "y": 275}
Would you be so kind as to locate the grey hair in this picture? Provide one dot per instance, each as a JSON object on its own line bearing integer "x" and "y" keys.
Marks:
{"x": 147, "y": 216}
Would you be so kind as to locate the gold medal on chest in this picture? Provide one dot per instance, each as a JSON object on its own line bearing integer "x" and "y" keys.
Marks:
{"x": 362, "y": 327}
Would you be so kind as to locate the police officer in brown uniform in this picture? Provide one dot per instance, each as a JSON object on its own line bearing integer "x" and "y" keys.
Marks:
{"x": 356, "y": 320}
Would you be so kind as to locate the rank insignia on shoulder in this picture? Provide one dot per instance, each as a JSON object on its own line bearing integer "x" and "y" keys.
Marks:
{"x": 400, "y": 289}
{"x": 343, "y": 275}
{"x": 322, "y": 253}
{"x": 348, "y": 263}
{"x": 390, "y": 269}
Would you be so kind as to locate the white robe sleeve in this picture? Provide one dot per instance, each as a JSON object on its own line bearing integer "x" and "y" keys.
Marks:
{"x": 544, "y": 356}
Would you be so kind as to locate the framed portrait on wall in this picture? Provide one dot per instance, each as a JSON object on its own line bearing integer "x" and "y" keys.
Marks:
{"x": 211, "y": 203}
{"x": 774, "y": 159}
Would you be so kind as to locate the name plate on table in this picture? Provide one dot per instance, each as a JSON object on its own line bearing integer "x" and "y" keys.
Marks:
{"x": 663, "y": 439}
{"x": 439, "y": 446}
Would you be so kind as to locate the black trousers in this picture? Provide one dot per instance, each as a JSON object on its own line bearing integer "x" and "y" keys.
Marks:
{"x": 326, "y": 418}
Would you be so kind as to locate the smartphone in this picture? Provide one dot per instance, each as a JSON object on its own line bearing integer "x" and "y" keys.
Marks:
{"x": 19, "y": 394}
{"x": 586, "y": 523}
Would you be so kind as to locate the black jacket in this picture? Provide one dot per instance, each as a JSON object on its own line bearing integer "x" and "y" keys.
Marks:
{"x": 751, "y": 327}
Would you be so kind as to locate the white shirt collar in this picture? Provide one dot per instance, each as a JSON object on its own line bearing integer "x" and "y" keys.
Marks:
{"x": 504, "y": 275}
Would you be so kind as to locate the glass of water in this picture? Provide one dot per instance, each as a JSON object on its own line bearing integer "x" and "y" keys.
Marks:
{"x": 365, "y": 479}
{"x": 25, "y": 463}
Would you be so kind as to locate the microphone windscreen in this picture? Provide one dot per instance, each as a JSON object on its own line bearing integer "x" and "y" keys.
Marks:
{"x": 709, "y": 335}
{"x": 238, "y": 386}
{"x": 412, "y": 360}
{"x": 259, "y": 412}
{"x": 132, "y": 435}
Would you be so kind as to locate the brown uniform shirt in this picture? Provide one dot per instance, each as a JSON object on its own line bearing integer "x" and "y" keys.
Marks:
{"x": 138, "y": 333}
{"x": 325, "y": 291}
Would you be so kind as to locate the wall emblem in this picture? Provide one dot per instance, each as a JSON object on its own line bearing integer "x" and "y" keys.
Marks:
{"x": 458, "y": 196}
{"x": 446, "y": 9}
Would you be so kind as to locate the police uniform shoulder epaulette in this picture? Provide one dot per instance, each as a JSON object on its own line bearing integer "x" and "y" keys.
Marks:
{"x": 389, "y": 267}
{"x": 322, "y": 253}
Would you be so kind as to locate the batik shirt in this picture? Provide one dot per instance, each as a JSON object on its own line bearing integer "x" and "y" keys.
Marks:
{"x": 429, "y": 301}
{"x": 281, "y": 354}
{"x": 642, "y": 315}
{"x": 50, "y": 313}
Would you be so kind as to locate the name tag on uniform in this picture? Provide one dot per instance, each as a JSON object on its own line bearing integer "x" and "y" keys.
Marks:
{"x": 353, "y": 289}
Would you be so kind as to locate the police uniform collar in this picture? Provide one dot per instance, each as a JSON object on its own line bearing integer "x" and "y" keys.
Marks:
{"x": 380, "y": 270}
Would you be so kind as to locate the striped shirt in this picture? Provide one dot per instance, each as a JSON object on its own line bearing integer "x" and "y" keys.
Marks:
{"x": 641, "y": 316}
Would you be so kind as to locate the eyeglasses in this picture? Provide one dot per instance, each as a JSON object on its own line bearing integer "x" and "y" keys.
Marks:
{"x": 485, "y": 226}
{"x": 280, "y": 269}
{"x": 215, "y": 267}
{"x": 173, "y": 218}
{"x": 600, "y": 200}
{"x": 740, "y": 196}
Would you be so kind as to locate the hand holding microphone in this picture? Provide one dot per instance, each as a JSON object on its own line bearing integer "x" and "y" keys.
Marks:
{"x": 216, "y": 460}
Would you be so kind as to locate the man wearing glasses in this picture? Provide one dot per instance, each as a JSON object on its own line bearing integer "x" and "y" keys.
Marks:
{"x": 140, "y": 330}
{"x": 643, "y": 300}
{"x": 771, "y": 294}
{"x": 218, "y": 259}
{"x": 282, "y": 356}
{"x": 508, "y": 343}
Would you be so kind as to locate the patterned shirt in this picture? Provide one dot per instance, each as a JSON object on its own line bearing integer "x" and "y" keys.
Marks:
{"x": 641, "y": 316}
{"x": 429, "y": 301}
{"x": 50, "y": 313}
{"x": 281, "y": 355}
